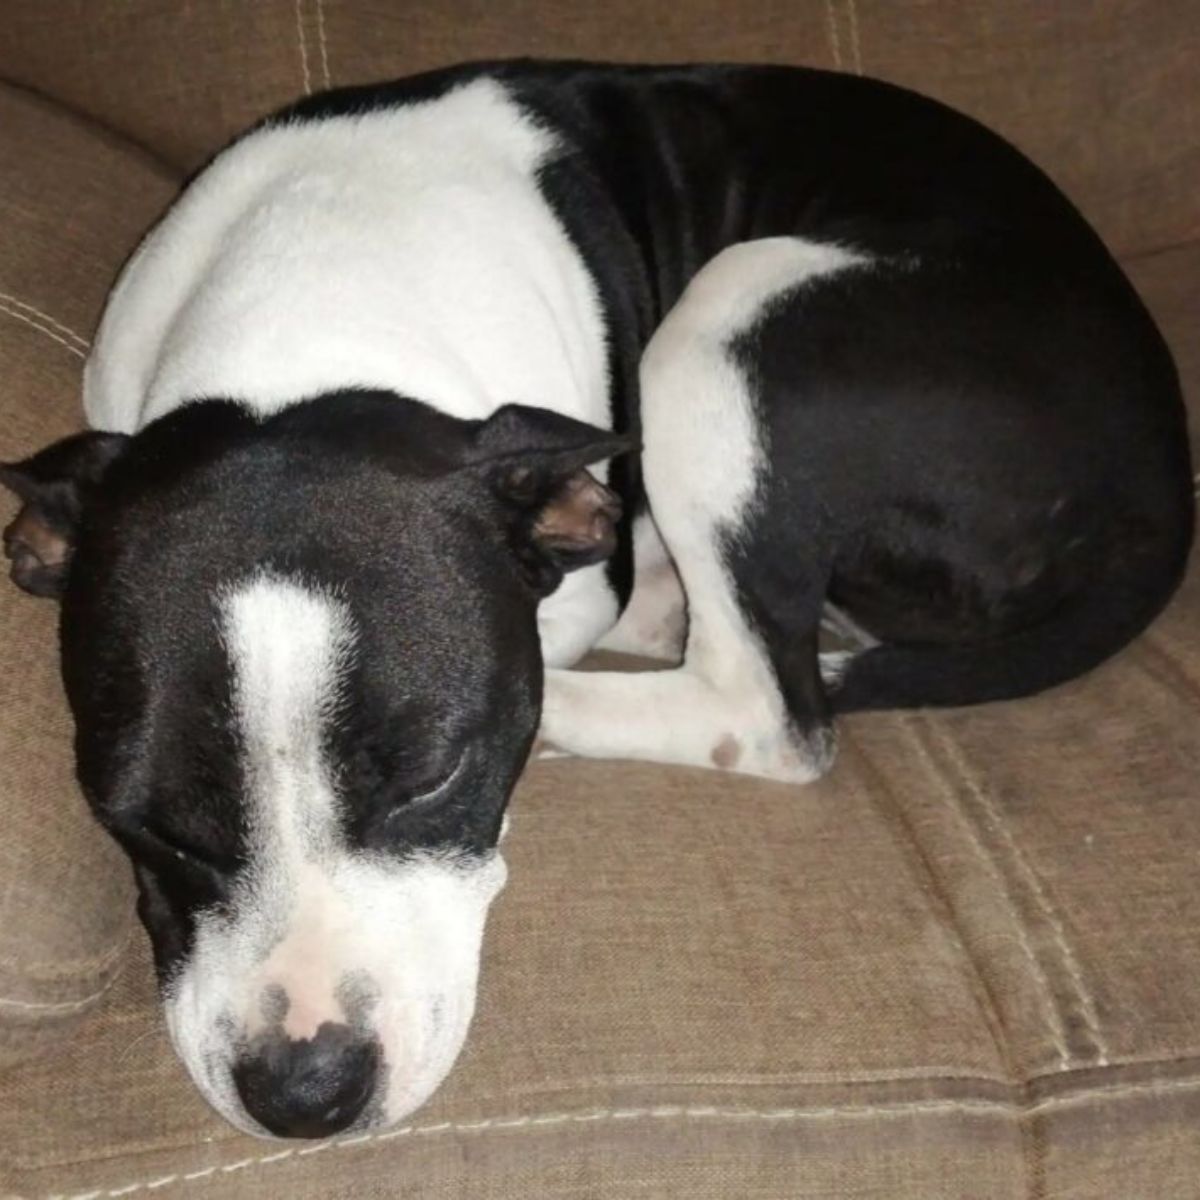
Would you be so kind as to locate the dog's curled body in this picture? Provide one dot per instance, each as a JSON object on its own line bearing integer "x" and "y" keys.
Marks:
{"x": 336, "y": 518}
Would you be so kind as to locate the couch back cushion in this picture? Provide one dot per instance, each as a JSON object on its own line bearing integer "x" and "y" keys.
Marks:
{"x": 1102, "y": 93}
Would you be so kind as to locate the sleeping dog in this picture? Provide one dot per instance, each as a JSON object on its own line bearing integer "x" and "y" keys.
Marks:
{"x": 421, "y": 391}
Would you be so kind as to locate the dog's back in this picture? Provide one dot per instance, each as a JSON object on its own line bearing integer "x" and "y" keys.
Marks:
{"x": 376, "y": 252}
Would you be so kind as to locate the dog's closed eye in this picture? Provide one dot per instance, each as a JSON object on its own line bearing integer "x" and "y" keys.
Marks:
{"x": 431, "y": 796}
{"x": 417, "y": 812}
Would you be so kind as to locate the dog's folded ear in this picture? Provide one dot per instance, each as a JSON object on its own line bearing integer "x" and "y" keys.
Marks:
{"x": 536, "y": 460}
{"x": 54, "y": 485}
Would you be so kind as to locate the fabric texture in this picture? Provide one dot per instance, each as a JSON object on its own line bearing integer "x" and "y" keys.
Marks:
{"x": 1101, "y": 92}
{"x": 966, "y": 964}
{"x": 73, "y": 201}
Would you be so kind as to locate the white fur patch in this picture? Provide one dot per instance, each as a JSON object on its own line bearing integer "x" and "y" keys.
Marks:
{"x": 654, "y": 623}
{"x": 407, "y": 248}
{"x": 572, "y": 619}
{"x": 288, "y": 646}
{"x": 702, "y": 462}
{"x": 313, "y": 917}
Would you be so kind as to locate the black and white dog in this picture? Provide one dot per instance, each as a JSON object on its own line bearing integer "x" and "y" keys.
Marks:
{"x": 841, "y": 345}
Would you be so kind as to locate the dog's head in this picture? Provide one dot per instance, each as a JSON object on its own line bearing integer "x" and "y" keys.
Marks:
{"x": 303, "y": 661}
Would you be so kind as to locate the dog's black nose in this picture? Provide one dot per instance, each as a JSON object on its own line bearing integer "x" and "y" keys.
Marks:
{"x": 311, "y": 1088}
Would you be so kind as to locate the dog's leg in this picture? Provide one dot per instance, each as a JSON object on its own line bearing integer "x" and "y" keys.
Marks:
{"x": 654, "y": 623}
{"x": 723, "y": 707}
{"x": 732, "y": 718}
{"x": 748, "y": 696}
{"x": 571, "y": 620}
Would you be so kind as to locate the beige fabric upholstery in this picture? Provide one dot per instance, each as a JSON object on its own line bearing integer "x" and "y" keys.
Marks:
{"x": 72, "y": 202}
{"x": 965, "y": 965}
{"x": 1102, "y": 92}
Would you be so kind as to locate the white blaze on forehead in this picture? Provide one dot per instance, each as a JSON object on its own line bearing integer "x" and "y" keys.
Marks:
{"x": 289, "y": 646}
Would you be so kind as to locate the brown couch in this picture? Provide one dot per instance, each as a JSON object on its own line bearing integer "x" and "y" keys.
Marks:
{"x": 965, "y": 965}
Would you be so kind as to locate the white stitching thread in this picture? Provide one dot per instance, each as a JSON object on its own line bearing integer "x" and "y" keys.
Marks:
{"x": 59, "y": 1006}
{"x": 303, "y": 47}
{"x": 852, "y": 9}
{"x": 1057, "y": 1029}
{"x": 16, "y": 314}
{"x": 1087, "y": 1004}
{"x": 321, "y": 41}
{"x": 82, "y": 342}
{"x": 95, "y": 965}
{"x": 832, "y": 30}
{"x": 673, "y": 1112}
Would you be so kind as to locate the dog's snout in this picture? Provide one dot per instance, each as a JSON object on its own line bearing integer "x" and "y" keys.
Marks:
{"x": 308, "y": 1088}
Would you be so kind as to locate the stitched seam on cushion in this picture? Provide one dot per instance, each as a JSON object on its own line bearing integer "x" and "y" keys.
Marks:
{"x": 82, "y": 342}
{"x": 321, "y": 41}
{"x": 303, "y": 47}
{"x": 18, "y": 315}
{"x": 94, "y": 964}
{"x": 792, "y": 1078}
{"x": 856, "y": 51}
{"x": 991, "y": 1012}
{"x": 831, "y": 30}
{"x": 1054, "y": 1021}
{"x": 487, "y": 1124}
{"x": 1083, "y": 994}
{"x": 61, "y": 1006}
{"x": 657, "y": 1113}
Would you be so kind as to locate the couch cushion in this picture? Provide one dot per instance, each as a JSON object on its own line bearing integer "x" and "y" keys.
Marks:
{"x": 180, "y": 77}
{"x": 1169, "y": 281}
{"x": 72, "y": 202}
{"x": 966, "y": 964}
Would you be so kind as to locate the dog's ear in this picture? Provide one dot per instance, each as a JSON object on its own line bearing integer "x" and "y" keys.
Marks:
{"x": 54, "y": 486}
{"x": 536, "y": 461}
